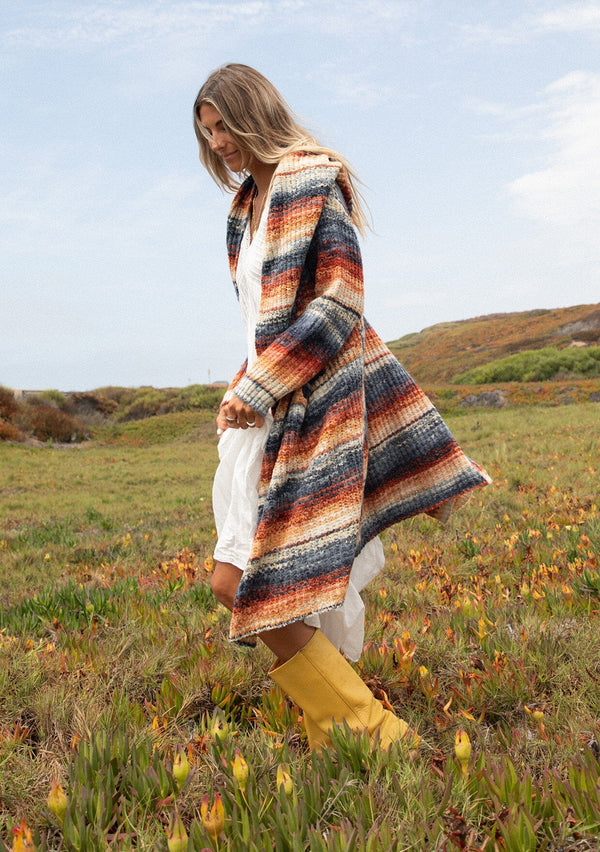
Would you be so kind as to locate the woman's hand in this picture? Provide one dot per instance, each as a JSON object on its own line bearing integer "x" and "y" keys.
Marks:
{"x": 236, "y": 414}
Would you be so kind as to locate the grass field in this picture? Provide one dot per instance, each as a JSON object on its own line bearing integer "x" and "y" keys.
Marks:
{"x": 115, "y": 670}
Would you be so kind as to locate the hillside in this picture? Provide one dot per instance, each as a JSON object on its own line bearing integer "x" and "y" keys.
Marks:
{"x": 549, "y": 357}
{"x": 442, "y": 352}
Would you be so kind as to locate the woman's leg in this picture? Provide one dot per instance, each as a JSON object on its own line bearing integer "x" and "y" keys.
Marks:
{"x": 317, "y": 677}
{"x": 224, "y": 581}
{"x": 283, "y": 641}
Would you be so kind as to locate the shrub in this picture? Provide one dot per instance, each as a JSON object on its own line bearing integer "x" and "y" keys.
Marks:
{"x": 198, "y": 396}
{"x": 51, "y": 397}
{"x": 9, "y": 432}
{"x": 90, "y": 408}
{"x": 47, "y": 423}
{"x": 121, "y": 396}
{"x": 147, "y": 402}
{"x": 537, "y": 366}
{"x": 8, "y": 404}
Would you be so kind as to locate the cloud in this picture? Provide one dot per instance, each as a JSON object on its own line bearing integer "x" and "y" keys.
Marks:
{"x": 171, "y": 39}
{"x": 512, "y": 34}
{"x": 106, "y": 23}
{"x": 84, "y": 25}
{"x": 567, "y": 191}
{"x": 574, "y": 17}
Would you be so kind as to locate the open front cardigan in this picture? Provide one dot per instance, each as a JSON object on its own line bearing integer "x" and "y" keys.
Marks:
{"x": 355, "y": 445}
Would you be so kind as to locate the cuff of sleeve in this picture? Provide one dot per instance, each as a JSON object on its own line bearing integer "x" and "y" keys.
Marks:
{"x": 254, "y": 395}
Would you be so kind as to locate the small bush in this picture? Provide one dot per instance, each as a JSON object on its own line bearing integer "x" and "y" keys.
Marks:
{"x": 8, "y": 404}
{"x": 47, "y": 423}
{"x": 121, "y": 396}
{"x": 146, "y": 402}
{"x": 9, "y": 432}
{"x": 90, "y": 408}
{"x": 198, "y": 396}
{"x": 51, "y": 397}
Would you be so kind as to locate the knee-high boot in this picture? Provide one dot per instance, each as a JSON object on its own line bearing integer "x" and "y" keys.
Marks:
{"x": 329, "y": 691}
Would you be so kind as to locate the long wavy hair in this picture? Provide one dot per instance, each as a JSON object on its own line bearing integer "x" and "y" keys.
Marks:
{"x": 260, "y": 121}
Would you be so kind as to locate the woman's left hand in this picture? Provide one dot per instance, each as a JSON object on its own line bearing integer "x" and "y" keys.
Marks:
{"x": 236, "y": 414}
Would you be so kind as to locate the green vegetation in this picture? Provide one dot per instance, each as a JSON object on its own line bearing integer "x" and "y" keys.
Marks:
{"x": 540, "y": 365}
{"x": 453, "y": 361}
{"x": 115, "y": 669}
{"x": 437, "y": 355}
{"x": 137, "y": 403}
{"x": 52, "y": 416}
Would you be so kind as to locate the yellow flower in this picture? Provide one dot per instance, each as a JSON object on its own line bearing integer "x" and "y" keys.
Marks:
{"x": 428, "y": 686}
{"x": 177, "y": 839}
{"x": 284, "y": 779}
{"x": 213, "y": 821}
{"x": 57, "y": 801}
{"x": 462, "y": 750}
{"x": 537, "y": 714}
{"x": 240, "y": 770}
{"x": 181, "y": 767}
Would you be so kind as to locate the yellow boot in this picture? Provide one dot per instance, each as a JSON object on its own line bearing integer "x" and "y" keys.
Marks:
{"x": 329, "y": 691}
{"x": 316, "y": 738}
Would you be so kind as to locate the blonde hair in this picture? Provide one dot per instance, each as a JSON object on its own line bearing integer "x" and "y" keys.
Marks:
{"x": 261, "y": 122}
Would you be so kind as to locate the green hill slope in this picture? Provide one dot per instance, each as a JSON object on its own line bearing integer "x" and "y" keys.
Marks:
{"x": 443, "y": 352}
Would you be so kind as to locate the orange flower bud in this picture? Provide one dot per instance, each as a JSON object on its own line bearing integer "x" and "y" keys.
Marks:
{"x": 57, "y": 801}
{"x": 181, "y": 767}
{"x": 213, "y": 821}
{"x": 284, "y": 779}
{"x": 240, "y": 770}
{"x": 177, "y": 839}
{"x": 22, "y": 839}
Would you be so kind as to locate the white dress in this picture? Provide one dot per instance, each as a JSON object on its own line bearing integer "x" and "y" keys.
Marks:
{"x": 235, "y": 487}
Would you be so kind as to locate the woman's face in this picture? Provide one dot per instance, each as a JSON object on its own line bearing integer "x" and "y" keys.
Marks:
{"x": 234, "y": 157}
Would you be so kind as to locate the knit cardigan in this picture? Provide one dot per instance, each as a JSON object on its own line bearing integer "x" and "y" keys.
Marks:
{"x": 355, "y": 445}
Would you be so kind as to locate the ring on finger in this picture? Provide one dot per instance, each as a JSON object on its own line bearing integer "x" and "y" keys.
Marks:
{"x": 231, "y": 419}
{"x": 251, "y": 424}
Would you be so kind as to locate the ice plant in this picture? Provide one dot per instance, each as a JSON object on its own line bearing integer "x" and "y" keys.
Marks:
{"x": 405, "y": 650}
{"x": 428, "y": 686}
{"x": 213, "y": 820}
{"x": 462, "y": 750}
{"x": 22, "y": 839}
{"x": 537, "y": 714}
{"x": 57, "y": 801}
{"x": 240, "y": 770}
{"x": 177, "y": 839}
{"x": 220, "y": 730}
{"x": 284, "y": 779}
{"x": 181, "y": 767}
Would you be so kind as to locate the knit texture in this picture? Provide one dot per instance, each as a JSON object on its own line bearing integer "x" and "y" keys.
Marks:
{"x": 355, "y": 445}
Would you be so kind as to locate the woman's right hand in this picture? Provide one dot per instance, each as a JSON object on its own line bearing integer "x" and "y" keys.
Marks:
{"x": 238, "y": 414}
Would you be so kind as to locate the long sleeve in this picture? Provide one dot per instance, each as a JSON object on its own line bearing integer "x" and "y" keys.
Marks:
{"x": 233, "y": 383}
{"x": 323, "y": 326}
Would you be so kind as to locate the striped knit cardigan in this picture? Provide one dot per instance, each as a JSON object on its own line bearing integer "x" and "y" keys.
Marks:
{"x": 355, "y": 445}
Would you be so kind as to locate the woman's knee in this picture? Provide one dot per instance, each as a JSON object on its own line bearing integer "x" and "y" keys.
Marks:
{"x": 224, "y": 582}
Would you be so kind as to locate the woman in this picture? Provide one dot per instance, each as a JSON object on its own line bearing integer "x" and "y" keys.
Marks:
{"x": 326, "y": 440}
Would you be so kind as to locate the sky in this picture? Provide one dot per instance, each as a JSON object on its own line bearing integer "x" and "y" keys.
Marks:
{"x": 473, "y": 124}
